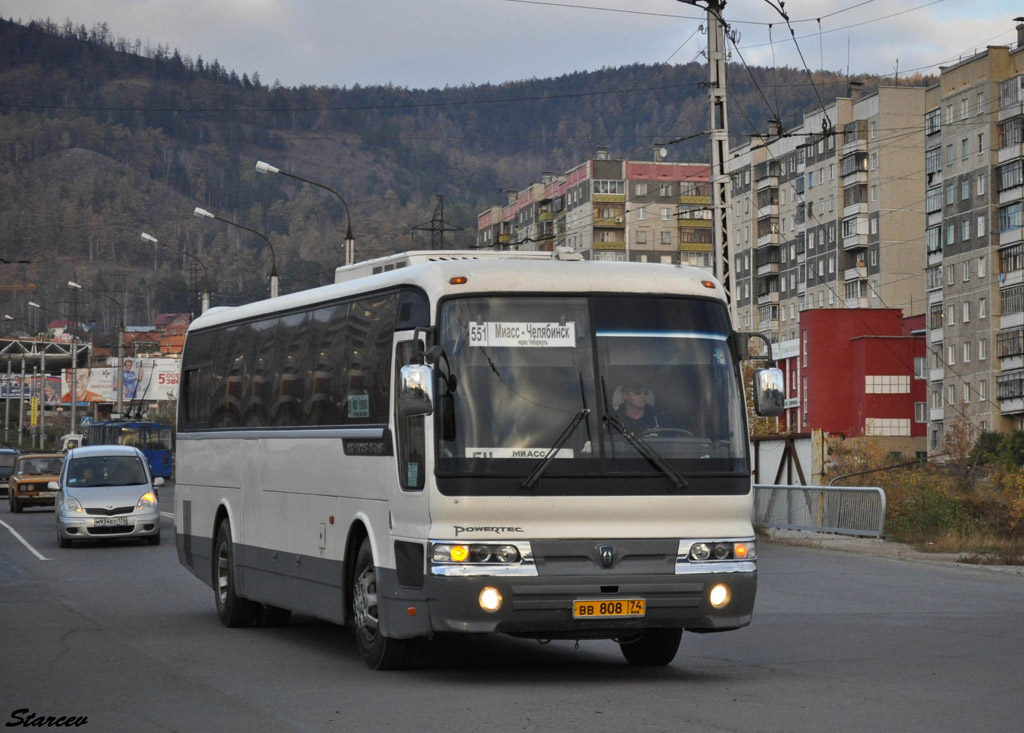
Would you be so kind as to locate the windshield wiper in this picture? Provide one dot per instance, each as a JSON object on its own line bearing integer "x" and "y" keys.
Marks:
{"x": 530, "y": 480}
{"x": 644, "y": 448}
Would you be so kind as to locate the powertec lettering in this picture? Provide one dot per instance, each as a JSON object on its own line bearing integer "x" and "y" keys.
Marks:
{"x": 494, "y": 530}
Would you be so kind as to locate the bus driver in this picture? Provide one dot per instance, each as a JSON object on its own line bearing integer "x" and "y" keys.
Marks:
{"x": 637, "y": 413}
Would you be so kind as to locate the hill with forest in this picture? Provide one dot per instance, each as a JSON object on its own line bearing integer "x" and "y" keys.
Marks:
{"x": 104, "y": 138}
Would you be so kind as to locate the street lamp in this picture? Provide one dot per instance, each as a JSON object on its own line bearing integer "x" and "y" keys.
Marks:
{"x": 75, "y": 287}
{"x": 120, "y": 344}
{"x": 204, "y": 214}
{"x": 350, "y": 244}
{"x": 206, "y": 273}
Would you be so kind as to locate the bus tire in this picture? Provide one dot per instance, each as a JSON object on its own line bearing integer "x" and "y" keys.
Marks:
{"x": 652, "y": 648}
{"x": 232, "y": 610}
{"x": 378, "y": 651}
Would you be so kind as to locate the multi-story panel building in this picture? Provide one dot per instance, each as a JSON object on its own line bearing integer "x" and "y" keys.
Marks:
{"x": 974, "y": 125}
{"x": 610, "y": 209}
{"x": 824, "y": 219}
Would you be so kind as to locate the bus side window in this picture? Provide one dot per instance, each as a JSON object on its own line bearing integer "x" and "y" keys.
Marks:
{"x": 410, "y": 448}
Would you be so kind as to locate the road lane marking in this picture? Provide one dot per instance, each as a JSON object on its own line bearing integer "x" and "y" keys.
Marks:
{"x": 22, "y": 540}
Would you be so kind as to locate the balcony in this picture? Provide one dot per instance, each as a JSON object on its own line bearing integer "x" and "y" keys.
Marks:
{"x": 1012, "y": 406}
{"x": 860, "y": 272}
{"x": 858, "y": 240}
{"x": 935, "y": 335}
{"x": 851, "y": 303}
{"x": 769, "y": 239}
{"x": 1011, "y": 236}
{"x": 935, "y": 374}
{"x": 935, "y": 414}
{"x": 1010, "y": 152}
{"x": 1011, "y": 320}
{"x": 613, "y": 222}
{"x": 768, "y": 298}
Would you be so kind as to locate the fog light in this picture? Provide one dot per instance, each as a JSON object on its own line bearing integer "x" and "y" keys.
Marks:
{"x": 490, "y": 599}
{"x": 720, "y": 595}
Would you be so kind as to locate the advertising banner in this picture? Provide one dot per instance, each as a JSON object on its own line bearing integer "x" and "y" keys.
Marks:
{"x": 145, "y": 380}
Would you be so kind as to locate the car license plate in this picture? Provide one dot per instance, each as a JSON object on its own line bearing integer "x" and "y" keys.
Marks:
{"x": 111, "y": 521}
{"x": 618, "y": 608}
{"x": 46, "y": 494}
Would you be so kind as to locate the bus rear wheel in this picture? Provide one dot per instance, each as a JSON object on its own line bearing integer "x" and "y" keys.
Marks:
{"x": 232, "y": 610}
{"x": 652, "y": 648}
{"x": 377, "y": 650}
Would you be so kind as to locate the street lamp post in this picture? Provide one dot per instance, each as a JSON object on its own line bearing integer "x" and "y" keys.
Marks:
{"x": 120, "y": 344}
{"x": 204, "y": 214}
{"x": 206, "y": 273}
{"x": 350, "y": 244}
{"x": 75, "y": 287}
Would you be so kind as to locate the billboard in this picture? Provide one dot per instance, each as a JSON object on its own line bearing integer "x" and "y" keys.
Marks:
{"x": 51, "y": 388}
{"x": 144, "y": 380}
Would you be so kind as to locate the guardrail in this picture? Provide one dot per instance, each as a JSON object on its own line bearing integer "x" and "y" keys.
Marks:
{"x": 854, "y": 510}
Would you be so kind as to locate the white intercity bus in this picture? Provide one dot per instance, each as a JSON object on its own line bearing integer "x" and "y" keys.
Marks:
{"x": 448, "y": 443}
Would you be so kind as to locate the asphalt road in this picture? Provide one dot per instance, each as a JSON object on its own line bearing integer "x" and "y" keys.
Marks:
{"x": 122, "y": 635}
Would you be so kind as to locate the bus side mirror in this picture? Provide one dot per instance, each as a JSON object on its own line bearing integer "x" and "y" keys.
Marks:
{"x": 769, "y": 392}
{"x": 416, "y": 393}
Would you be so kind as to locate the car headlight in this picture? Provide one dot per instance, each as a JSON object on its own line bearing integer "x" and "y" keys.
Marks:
{"x": 146, "y": 501}
{"x": 71, "y": 505}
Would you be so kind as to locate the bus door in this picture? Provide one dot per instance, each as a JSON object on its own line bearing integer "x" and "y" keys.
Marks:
{"x": 407, "y": 494}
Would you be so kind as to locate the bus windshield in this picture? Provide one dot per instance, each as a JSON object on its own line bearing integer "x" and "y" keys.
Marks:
{"x": 625, "y": 385}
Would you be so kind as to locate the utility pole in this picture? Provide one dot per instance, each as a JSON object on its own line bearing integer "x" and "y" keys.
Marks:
{"x": 721, "y": 183}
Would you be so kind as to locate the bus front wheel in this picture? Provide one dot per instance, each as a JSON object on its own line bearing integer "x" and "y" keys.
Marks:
{"x": 652, "y": 648}
{"x": 233, "y": 610}
{"x": 378, "y": 651}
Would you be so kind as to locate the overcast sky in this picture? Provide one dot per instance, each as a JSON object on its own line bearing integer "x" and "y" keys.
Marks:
{"x": 437, "y": 43}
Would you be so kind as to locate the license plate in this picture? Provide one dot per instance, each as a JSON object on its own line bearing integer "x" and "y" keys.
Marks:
{"x": 46, "y": 494}
{"x": 618, "y": 608}
{"x": 111, "y": 521}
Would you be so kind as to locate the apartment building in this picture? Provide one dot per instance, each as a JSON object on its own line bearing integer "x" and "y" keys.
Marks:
{"x": 610, "y": 209}
{"x": 828, "y": 217}
{"x": 974, "y": 173}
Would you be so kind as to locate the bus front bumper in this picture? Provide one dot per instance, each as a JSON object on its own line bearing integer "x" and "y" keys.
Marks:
{"x": 546, "y": 606}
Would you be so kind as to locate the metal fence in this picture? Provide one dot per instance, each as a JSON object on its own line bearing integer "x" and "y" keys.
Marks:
{"x": 854, "y": 510}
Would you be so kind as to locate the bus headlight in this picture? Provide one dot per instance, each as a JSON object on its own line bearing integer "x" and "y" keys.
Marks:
{"x": 481, "y": 558}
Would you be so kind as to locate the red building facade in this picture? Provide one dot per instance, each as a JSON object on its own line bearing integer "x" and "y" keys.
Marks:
{"x": 858, "y": 373}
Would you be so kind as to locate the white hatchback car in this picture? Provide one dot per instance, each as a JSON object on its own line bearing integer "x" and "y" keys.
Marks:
{"x": 106, "y": 492}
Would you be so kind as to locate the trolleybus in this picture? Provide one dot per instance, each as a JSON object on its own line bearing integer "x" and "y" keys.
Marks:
{"x": 434, "y": 444}
{"x": 154, "y": 439}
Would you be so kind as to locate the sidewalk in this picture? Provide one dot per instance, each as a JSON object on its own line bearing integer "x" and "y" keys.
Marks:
{"x": 877, "y": 547}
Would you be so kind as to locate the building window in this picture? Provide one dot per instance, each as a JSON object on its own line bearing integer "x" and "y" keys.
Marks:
{"x": 666, "y": 237}
{"x": 932, "y": 161}
{"x": 982, "y": 350}
{"x": 1010, "y": 216}
{"x": 965, "y": 234}
{"x": 981, "y": 308}
{"x": 981, "y": 184}
{"x": 950, "y": 315}
{"x": 981, "y": 265}
{"x": 967, "y": 352}
{"x": 950, "y": 192}
{"x": 665, "y": 189}
{"x": 641, "y": 214}
{"x": 920, "y": 412}
{"x": 981, "y": 226}
{"x": 641, "y": 189}
{"x": 641, "y": 237}
{"x": 966, "y": 315}
{"x": 666, "y": 214}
